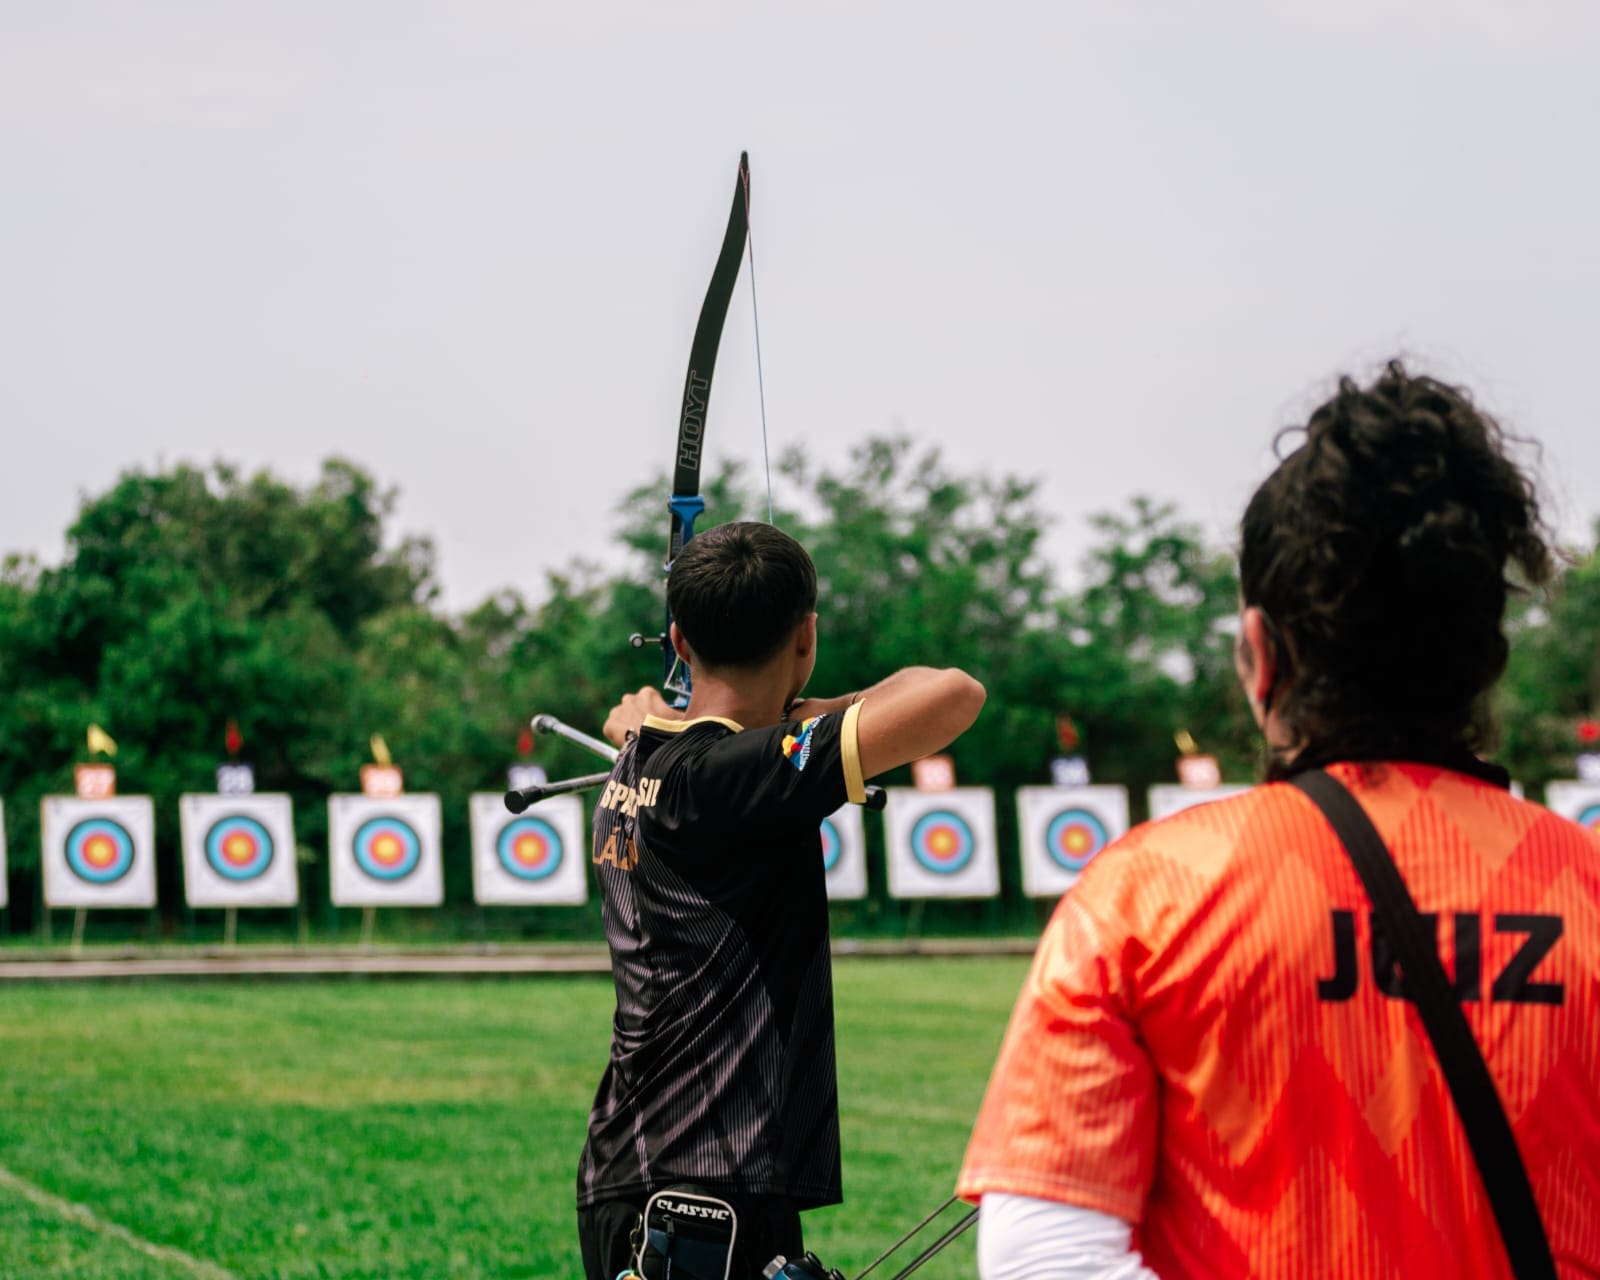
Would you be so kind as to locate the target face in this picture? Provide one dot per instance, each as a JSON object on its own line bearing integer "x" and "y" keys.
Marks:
{"x": 1073, "y": 837}
{"x": 529, "y": 848}
{"x": 1589, "y": 816}
{"x": 832, "y": 845}
{"x": 942, "y": 842}
{"x": 99, "y": 851}
{"x": 536, "y": 858}
{"x": 238, "y": 848}
{"x": 387, "y": 848}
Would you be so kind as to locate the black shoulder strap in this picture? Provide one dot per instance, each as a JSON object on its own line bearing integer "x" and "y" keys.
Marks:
{"x": 1478, "y": 1104}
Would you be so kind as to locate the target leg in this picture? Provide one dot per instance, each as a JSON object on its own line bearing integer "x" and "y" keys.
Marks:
{"x": 368, "y": 914}
{"x": 230, "y": 926}
{"x": 78, "y": 917}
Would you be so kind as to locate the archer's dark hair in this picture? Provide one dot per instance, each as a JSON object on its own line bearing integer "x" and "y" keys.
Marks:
{"x": 738, "y": 590}
{"x": 1379, "y": 549}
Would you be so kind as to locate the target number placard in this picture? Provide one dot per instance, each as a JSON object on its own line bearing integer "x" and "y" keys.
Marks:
{"x": 98, "y": 853}
{"x": 531, "y": 858}
{"x": 1579, "y": 801}
{"x": 238, "y": 850}
{"x": 941, "y": 844}
{"x": 1061, "y": 828}
{"x": 844, "y": 854}
{"x": 1168, "y": 798}
{"x": 383, "y": 851}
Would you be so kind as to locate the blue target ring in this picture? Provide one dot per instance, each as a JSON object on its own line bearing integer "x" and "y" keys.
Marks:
{"x": 1590, "y": 817}
{"x": 529, "y": 848}
{"x": 1073, "y": 837}
{"x": 942, "y": 842}
{"x": 387, "y": 848}
{"x": 832, "y": 845}
{"x": 238, "y": 848}
{"x": 99, "y": 850}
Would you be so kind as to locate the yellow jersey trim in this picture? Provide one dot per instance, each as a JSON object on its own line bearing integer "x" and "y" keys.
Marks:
{"x": 855, "y": 786}
{"x": 678, "y": 726}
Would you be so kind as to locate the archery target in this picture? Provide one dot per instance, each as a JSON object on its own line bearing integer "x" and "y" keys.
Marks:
{"x": 1061, "y": 828}
{"x": 387, "y": 848}
{"x": 238, "y": 850}
{"x": 941, "y": 844}
{"x": 844, "y": 853}
{"x": 4, "y": 898}
{"x": 1168, "y": 798}
{"x": 536, "y": 857}
{"x": 384, "y": 851}
{"x": 1579, "y": 801}
{"x": 99, "y": 850}
{"x": 98, "y": 853}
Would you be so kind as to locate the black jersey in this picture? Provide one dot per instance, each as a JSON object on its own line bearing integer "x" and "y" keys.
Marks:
{"x": 708, "y": 855}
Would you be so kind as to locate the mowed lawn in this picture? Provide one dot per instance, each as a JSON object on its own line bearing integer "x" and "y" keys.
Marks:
{"x": 422, "y": 1129}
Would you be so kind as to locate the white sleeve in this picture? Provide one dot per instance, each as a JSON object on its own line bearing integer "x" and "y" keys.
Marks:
{"x": 1021, "y": 1238}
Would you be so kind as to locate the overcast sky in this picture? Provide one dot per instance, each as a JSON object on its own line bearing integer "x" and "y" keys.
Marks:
{"x": 1113, "y": 246}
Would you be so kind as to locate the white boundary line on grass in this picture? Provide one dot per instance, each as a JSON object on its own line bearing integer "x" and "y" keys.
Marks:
{"x": 86, "y": 1217}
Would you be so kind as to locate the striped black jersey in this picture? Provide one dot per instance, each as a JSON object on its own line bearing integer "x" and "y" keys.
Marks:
{"x": 708, "y": 856}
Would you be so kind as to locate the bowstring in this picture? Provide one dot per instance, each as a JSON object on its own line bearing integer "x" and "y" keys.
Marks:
{"x": 755, "y": 316}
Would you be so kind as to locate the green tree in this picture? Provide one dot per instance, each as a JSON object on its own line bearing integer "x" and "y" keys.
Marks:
{"x": 189, "y": 597}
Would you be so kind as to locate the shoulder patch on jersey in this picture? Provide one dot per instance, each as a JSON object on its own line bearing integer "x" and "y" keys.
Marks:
{"x": 797, "y": 746}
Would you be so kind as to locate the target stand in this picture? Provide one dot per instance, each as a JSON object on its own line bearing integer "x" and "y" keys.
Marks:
{"x": 1577, "y": 801}
{"x": 844, "y": 854}
{"x": 238, "y": 851}
{"x": 383, "y": 851}
{"x": 1168, "y": 798}
{"x": 1061, "y": 829}
{"x": 941, "y": 844}
{"x": 534, "y": 858}
{"x": 98, "y": 854}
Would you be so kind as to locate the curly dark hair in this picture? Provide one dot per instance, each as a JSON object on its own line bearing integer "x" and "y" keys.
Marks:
{"x": 1379, "y": 550}
{"x": 737, "y": 592}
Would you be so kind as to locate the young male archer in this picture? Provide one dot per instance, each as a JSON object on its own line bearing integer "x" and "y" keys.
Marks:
{"x": 707, "y": 854}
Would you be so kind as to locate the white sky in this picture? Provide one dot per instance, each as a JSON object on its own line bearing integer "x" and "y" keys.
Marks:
{"x": 1114, "y": 246}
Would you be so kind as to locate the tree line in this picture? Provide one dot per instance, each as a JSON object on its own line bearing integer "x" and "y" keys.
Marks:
{"x": 191, "y": 596}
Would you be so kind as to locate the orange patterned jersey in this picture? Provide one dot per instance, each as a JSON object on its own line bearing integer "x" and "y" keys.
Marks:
{"x": 1212, "y": 1046}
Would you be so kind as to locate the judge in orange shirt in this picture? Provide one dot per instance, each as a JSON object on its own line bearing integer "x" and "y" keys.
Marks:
{"x": 1212, "y": 1070}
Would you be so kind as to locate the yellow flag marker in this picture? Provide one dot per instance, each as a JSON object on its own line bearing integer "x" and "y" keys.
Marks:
{"x": 380, "y": 750}
{"x": 100, "y": 741}
{"x": 1186, "y": 744}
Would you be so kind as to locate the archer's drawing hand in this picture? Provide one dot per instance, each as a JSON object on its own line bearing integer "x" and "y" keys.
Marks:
{"x": 627, "y": 717}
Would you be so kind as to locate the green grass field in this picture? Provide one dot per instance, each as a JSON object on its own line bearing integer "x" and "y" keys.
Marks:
{"x": 424, "y": 1129}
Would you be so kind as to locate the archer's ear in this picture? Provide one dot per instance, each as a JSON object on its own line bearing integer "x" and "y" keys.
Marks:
{"x": 680, "y": 646}
{"x": 1257, "y": 657}
{"x": 805, "y": 636}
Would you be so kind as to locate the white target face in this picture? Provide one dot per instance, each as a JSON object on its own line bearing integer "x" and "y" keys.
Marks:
{"x": 1061, "y": 829}
{"x": 1168, "y": 798}
{"x": 99, "y": 853}
{"x": 534, "y": 858}
{"x": 844, "y": 854}
{"x": 1578, "y": 801}
{"x": 238, "y": 850}
{"x": 384, "y": 851}
{"x": 941, "y": 844}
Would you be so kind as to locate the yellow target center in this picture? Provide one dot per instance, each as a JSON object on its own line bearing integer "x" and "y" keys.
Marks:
{"x": 99, "y": 851}
{"x": 528, "y": 848}
{"x": 943, "y": 842}
{"x": 387, "y": 848}
{"x": 1078, "y": 840}
{"x": 238, "y": 847}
